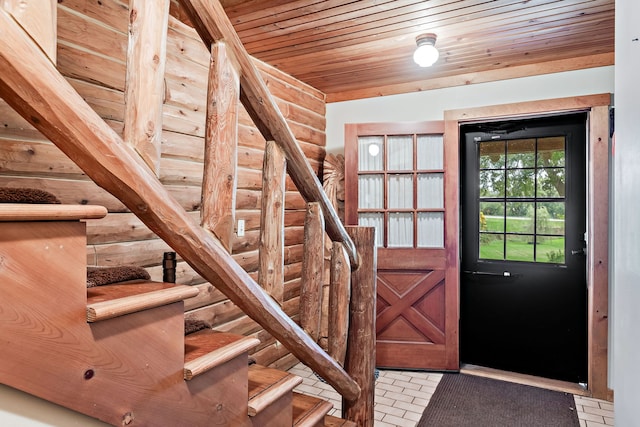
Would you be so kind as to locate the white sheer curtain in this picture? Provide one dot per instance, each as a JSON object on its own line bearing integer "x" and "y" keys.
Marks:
{"x": 430, "y": 150}
{"x": 430, "y": 229}
{"x": 400, "y": 229}
{"x": 400, "y": 152}
{"x": 370, "y": 153}
{"x": 430, "y": 156}
{"x": 400, "y": 191}
{"x": 430, "y": 191}
{"x": 373, "y": 220}
{"x": 371, "y": 186}
{"x": 370, "y": 192}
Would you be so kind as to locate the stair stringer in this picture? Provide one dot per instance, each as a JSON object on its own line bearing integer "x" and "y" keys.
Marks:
{"x": 124, "y": 371}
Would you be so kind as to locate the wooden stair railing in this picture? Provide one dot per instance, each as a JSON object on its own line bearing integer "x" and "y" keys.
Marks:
{"x": 217, "y": 32}
{"x": 212, "y": 24}
{"x": 35, "y": 89}
{"x": 107, "y": 368}
{"x": 132, "y": 367}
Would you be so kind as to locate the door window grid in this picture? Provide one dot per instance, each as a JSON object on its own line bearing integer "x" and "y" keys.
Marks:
{"x": 401, "y": 189}
{"x": 521, "y": 200}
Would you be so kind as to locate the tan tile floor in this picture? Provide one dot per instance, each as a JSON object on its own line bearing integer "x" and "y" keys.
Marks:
{"x": 401, "y": 396}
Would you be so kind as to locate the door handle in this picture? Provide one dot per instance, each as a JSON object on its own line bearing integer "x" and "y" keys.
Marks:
{"x": 578, "y": 252}
{"x": 486, "y": 273}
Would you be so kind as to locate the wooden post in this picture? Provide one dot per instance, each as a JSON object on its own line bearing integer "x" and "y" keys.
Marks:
{"x": 271, "y": 248}
{"x": 361, "y": 341}
{"x": 339, "y": 297}
{"x": 312, "y": 271}
{"x": 144, "y": 94}
{"x": 169, "y": 263}
{"x": 212, "y": 23}
{"x": 39, "y": 19}
{"x": 221, "y": 146}
{"x": 598, "y": 254}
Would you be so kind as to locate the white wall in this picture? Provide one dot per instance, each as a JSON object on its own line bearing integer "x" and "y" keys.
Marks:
{"x": 18, "y": 409}
{"x": 430, "y": 105}
{"x": 626, "y": 162}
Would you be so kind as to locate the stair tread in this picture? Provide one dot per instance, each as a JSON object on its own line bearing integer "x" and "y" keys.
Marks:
{"x": 331, "y": 421}
{"x": 207, "y": 349}
{"x": 49, "y": 212}
{"x": 266, "y": 385}
{"x": 309, "y": 410}
{"x": 108, "y": 301}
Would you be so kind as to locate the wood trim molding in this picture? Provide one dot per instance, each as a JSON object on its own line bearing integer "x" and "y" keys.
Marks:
{"x": 503, "y": 73}
{"x": 597, "y": 209}
{"x": 573, "y": 103}
{"x": 598, "y": 253}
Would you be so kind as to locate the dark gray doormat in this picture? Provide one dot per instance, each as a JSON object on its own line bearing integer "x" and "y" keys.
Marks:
{"x": 468, "y": 401}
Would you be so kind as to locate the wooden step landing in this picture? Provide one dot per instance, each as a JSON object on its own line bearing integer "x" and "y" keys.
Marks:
{"x": 36, "y": 212}
{"x": 266, "y": 385}
{"x": 330, "y": 421}
{"x": 309, "y": 411}
{"x": 106, "y": 302}
{"x": 206, "y": 349}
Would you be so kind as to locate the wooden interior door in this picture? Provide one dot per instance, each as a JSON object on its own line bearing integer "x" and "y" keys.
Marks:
{"x": 402, "y": 180}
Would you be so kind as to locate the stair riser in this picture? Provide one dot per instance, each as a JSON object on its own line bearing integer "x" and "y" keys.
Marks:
{"x": 278, "y": 414}
{"x": 132, "y": 364}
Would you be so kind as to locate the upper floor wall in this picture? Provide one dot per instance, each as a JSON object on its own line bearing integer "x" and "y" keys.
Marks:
{"x": 430, "y": 105}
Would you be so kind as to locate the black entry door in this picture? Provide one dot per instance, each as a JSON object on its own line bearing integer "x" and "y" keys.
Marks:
{"x": 523, "y": 282}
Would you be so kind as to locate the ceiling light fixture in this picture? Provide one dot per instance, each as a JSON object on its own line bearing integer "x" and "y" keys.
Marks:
{"x": 426, "y": 54}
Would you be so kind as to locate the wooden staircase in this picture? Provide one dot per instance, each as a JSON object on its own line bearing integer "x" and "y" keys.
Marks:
{"x": 118, "y": 352}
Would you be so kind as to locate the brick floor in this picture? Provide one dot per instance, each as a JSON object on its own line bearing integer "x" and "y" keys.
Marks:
{"x": 401, "y": 396}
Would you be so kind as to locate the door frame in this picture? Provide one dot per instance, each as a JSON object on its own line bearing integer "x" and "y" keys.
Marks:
{"x": 597, "y": 209}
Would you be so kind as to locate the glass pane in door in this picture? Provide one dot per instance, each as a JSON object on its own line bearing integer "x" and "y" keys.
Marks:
{"x": 400, "y": 228}
{"x": 370, "y": 192}
{"x": 400, "y": 193}
{"x": 430, "y": 152}
{"x": 370, "y": 153}
{"x": 430, "y": 229}
{"x": 400, "y": 153}
{"x": 430, "y": 191}
{"x": 375, "y": 220}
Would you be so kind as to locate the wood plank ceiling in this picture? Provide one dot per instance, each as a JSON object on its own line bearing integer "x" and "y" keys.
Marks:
{"x": 358, "y": 49}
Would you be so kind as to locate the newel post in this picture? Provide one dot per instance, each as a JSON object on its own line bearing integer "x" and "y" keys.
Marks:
{"x": 361, "y": 340}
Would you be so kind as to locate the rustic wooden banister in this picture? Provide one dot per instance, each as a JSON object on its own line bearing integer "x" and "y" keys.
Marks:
{"x": 212, "y": 23}
{"x": 312, "y": 272}
{"x": 35, "y": 89}
{"x": 271, "y": 249}
{"x": 31, "y": 212}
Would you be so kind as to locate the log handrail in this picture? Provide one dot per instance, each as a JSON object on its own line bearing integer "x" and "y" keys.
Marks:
{"x": 212, "y": 24}
{"x": 35, "y": 89}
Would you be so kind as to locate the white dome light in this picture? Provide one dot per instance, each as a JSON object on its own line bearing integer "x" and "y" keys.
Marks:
{"x": 426, "y": 54}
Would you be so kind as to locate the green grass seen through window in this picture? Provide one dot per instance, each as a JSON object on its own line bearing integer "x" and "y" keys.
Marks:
{"x": 548, "y": 250}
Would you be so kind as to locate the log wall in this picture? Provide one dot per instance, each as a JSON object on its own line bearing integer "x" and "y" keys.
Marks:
{"x": 92, "y": 49}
